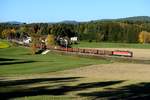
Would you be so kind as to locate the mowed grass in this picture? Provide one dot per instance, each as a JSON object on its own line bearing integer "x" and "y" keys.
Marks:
{"x": 18, "y": 60}
{"x": 4, "y": 44}
{"x": 111, "y": 45}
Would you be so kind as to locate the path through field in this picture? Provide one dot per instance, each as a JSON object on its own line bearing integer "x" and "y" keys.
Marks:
{"x": 115, "y": 71}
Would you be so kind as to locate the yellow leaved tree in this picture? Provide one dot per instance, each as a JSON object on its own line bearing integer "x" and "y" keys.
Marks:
{"x": 144, "y": 37}
{"x": 9, "y": 33}
{"x": 50, "y": 41}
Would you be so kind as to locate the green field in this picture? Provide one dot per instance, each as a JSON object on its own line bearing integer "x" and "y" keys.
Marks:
{"x": 4, "y": 44}
{"x": 111, "y": 45}
{"x": 18, "y": 60}
{"x": 24, "y": 76}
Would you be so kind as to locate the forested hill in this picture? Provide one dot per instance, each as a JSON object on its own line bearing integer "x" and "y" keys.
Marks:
{"x": 138, "y": 18}
{"x": 133, "y": 19}
{"x": 112, "y": 30}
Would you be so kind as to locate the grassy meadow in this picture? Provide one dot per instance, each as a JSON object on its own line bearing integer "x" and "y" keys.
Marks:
{"x": 4, "y": 44}
{"x": 111, "y": 45}
{"x": 19, "y": 60}
{"x": 24, "y": 76}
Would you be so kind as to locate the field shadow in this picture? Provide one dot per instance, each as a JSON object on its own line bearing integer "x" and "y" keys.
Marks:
{"x": 83, "y": 86}
{"x": 16, "y": 62}
{"x": 139, "y": 91}
{"x": 8, "y": 61}
{"x": 61, "y": 87}
{"x": 48, "y": 90}
{"x": 37, "y": 80}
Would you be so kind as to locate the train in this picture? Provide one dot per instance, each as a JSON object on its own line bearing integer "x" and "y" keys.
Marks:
{"x": 96, "y": 51}
{"x": 43, "y": 47}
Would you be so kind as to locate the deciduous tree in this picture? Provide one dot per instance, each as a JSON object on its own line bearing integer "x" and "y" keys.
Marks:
{"x": 144, "y": 37}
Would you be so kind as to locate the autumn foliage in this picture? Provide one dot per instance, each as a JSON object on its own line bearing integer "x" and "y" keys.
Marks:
{"x": 144, "y": 37}
{"x": 8, "y": 33}
{"x": 50, "y": 40}
{"x": 33, "y": 48}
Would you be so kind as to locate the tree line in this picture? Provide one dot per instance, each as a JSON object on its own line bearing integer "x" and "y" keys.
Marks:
{"x": 126, "y": 31}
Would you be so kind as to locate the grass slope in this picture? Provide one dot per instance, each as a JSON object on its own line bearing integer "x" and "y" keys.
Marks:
{"x": 3, "y": 44}
{"x": 88, "y": 83}
{"x": 18, "y": 60}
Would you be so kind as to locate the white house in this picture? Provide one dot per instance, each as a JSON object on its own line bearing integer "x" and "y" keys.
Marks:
{"x": 27, "y": 40}
{"x": 74, "y": 39}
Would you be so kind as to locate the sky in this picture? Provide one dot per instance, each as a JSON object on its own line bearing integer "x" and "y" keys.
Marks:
{"x": 79, "y": 10}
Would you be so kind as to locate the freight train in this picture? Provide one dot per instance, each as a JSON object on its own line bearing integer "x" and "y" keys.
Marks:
{"x": 96, "y": 51}
{"x": 83, "y": 50}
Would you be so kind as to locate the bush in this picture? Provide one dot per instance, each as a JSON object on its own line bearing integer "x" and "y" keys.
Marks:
{"x": 90, "y": 40}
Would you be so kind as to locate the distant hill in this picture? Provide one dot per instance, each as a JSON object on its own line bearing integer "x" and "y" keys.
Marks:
{"x": 133, "y": 19}
{"x": 13, "y": 22}
{"x": 69, "y": 22}
{"x": 136, "y": 18}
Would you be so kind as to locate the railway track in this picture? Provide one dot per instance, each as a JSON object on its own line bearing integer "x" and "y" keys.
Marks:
{"x": 120, "y": 53}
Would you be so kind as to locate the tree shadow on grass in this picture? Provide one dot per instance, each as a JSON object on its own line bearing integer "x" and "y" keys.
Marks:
{"x": 6, "y": 59}
{"x": 16, "y": 62}
{"x": 83, "y": 86}
{"x": 37, "y": 80}
{"x": 139, "y": 91}
{"x": 59, "y": 90}
{"x": 60, "y": 87}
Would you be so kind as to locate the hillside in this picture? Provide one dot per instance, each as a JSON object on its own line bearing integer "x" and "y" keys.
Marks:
{"x": 136, "y": 18}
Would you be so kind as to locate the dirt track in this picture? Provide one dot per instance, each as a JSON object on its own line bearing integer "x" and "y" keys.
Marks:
{"x": 115, "y": 71}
